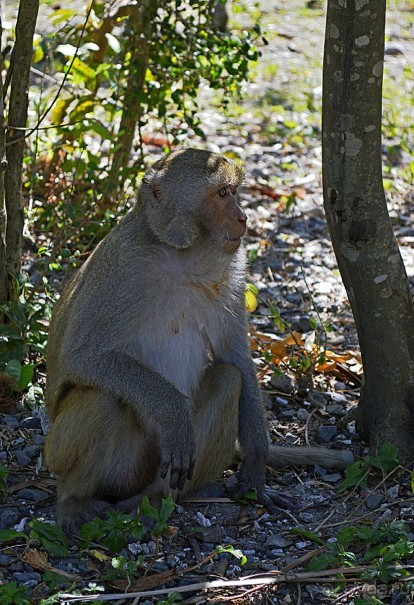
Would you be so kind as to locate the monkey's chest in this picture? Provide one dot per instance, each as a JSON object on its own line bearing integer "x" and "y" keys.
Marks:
{"x": 182, "y": 339}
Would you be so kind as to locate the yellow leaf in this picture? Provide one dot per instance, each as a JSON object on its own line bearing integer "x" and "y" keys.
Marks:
{"x": 98, "y": 554}
{"x": 250, "y": 301}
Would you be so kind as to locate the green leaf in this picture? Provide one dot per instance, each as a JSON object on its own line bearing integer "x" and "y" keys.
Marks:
{"x": 236, "y": 553}
{"x": 306, "y": 534}
{"x": 51, "y": 537}
{"x": 10, "y": 535}
{"x": 26, "y": 376}
{"x": 14, "y": 369}
{"x": 321, "y": 562}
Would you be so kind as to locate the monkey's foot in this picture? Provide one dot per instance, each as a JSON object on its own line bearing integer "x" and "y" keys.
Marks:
{"x": 274, "y": 501}
{"x": 73, "y": 513}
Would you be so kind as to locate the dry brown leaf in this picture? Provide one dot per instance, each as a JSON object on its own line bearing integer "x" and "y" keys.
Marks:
{"x": 300, "y": 192}
{"x": 146, "y": 583}
{"x": 38, "y": 560}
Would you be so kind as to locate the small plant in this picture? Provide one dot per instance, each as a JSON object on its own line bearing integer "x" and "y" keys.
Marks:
{"x": 384, "y": 548}
{"x": 357, "y": 473}
{"x": 124, "y": 569}
{"x": 52, "y": 537}
{"x": 11, "y": 594}
{"x": 159, "y": 516}
{"x": 112, "y": 532}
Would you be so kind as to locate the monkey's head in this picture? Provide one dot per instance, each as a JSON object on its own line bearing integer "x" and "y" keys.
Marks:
{"x": 192, "y": 194}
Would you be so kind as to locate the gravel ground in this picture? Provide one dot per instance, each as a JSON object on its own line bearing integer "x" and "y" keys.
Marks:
{"x": 294, "y": 268}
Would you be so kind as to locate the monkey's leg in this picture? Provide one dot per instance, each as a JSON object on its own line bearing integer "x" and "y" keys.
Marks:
{"x": 215, "y": 424}
{"x": 97, "y": 449}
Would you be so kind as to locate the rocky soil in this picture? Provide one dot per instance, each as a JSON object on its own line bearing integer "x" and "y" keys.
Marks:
{"x": 294, "y": 270}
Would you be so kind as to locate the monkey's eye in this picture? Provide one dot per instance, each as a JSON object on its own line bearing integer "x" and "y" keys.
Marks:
{"x": 223, "y": 191}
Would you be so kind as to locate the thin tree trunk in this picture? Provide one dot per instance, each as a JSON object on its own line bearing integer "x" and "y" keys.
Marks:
{"x": 368, "y": 256}
{"x": 17, "y": 118}
{"x": 3, "y": 214}
{"x": 141, "y": 16}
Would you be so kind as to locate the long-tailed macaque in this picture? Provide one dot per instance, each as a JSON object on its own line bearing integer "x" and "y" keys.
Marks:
{"x": 150, "y": 379}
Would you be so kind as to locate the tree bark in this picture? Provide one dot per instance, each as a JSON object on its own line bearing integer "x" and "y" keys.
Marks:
{"x": 141, "y": 17}
{"x": 367, "y": 253}
{"x": 17, "y": 118}
{"x": 3, "y": 214}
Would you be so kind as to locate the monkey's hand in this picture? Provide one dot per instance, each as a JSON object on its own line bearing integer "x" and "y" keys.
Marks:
{"x": 178, "y": 452}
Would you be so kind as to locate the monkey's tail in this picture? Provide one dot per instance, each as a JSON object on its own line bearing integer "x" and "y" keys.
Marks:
{"x": 280, "y": 456}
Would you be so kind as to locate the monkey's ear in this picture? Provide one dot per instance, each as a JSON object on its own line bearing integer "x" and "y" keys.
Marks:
{"x": 168, "y": 221}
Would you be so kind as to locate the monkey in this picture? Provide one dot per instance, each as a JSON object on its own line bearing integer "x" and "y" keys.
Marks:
{"x": 150, "y": 381}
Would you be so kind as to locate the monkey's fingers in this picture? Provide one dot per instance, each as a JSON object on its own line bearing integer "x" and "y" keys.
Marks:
{"x": 181, "y": 465}
{"x": 274, "y": 501}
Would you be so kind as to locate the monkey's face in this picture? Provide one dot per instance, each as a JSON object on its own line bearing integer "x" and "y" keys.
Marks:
{"x": 225, "y": 220}
{"x": 190, "y": 197}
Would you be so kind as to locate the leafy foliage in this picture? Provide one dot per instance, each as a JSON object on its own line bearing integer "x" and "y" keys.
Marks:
{"x": 12, "y": 594}
{"x": 357, "y": 473}
{"x": 112, "y": 532}
{"x": 52, "y": 537}
{"x": 159, "y": 516}
{"x": 384, "y": 548}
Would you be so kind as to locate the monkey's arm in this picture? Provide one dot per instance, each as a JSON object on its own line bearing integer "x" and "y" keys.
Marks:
{"x": 151, "y": 396}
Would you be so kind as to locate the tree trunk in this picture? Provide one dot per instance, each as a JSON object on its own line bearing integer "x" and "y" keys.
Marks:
{"x": 367, "y": 253}
{"x": 17, "y": 118}
{"x": 3, "y": 214}
{"x": 141, "y": 16}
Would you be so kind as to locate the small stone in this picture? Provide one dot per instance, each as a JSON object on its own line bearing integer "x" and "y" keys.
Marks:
{"x": 301, "y": 545}
{"x": 31, "y": 451}
{"x": 332, "y": 477}
{"x": 338, "y": 398}
{"x": 10, "y": 421}
{"x": 33, "y": 495}
{"x": 22, "y": 459}
{"x": 8, "y": 518}
{"x": 277, "y": 552}
{"x": 320, "y": 399}
{"x": 32, "y": 422}
{"x": 3, "y": 456}
{"x": 6, "y": 559}
{"x": 202, "y": 520}
{"x": 29, "y": 579}
{"x": 283, "y": 383}
{"x": 303, "y": 414}
{"x": 277, "y": 540}
{"x": 160, "y": 566}
{"x": 335, "y": 409}
{"x": 393, "y": 491}
{"x": 212, "y": 533}
{"x": 38, "y": 440}
{"x": 351, "y": 427}
{"x": 326, "y": 433}
{"x": 305, "y": 517}
{"x": 374, "y": 501}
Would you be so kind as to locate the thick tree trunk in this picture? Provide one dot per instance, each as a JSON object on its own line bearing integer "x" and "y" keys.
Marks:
{"x": 368, "y": 257}
{"x": 17, "y": 118}
{"x": 3, "y": 214}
